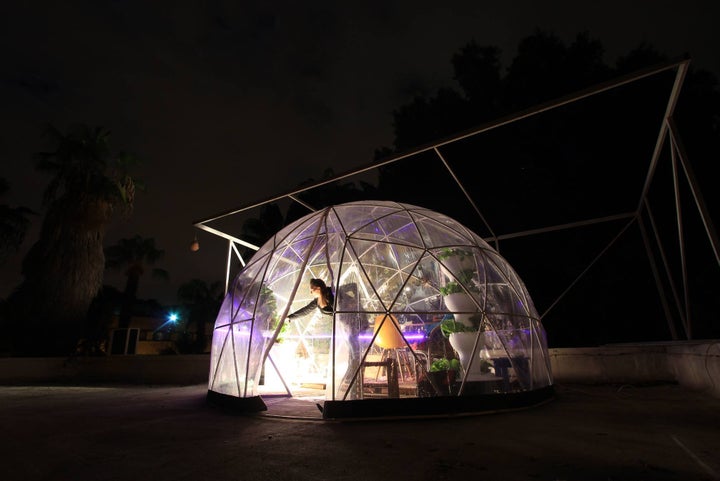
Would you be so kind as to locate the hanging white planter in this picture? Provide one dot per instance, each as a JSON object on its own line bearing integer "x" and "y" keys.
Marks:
{"x": 462, "y": 307}
{"x": 454, "y": 261}
{"x": 463, "y": 343}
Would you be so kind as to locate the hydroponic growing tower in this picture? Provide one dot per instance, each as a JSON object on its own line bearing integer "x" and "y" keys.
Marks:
{"x": 428, "y": 318}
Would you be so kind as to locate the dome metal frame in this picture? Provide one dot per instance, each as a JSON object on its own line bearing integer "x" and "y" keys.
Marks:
{"x": 667, "y": 138}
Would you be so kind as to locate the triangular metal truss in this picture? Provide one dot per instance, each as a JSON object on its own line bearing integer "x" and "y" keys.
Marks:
{"x": 668, "y": 132}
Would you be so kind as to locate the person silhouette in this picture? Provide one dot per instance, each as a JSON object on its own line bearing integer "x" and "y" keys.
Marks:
{"x": 323, "y": 300}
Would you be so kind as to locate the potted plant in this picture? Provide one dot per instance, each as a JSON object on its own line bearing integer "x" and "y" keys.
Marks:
{"x": 442, "y": 375}
{"x": 454, "y": 260}
{"x": 460, "y": 295}
{"x": 462, "y": 339}
{"x": 460, "y": 270}
{"x": 444, "y": 364}
{"x": 449, "y": 325}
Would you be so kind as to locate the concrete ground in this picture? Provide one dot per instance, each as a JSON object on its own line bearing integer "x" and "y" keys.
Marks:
{"x": 588, "y": 432}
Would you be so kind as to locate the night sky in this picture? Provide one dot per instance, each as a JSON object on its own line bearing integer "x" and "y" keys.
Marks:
{"x": 229, "y": 102}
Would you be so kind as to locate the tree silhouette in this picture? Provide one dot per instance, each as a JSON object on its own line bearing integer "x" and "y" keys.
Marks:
{"x": 572, "y": 163}
{"x": 14, "y": 222}
{"x": 133, "y": 255}
{"x": 259, "y": 230}
{"x": 329, "y": 194}
{"x": 63, "y": 271}
{"x": 201, "y": 303}
{"x": 583, "y": 160}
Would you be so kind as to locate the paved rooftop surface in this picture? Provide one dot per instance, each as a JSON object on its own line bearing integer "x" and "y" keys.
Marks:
{"x": 605, "y": 432}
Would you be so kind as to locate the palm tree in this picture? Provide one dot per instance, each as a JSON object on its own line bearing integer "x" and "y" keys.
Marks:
{"x": 201, "y": 302}
{"x": 133, "y": 255}
{"x": 14, "y": 222}
{"x": 63, "y": 271}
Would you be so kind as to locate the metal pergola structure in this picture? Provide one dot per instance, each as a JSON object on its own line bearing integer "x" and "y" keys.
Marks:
{"x": 667, "y": 132}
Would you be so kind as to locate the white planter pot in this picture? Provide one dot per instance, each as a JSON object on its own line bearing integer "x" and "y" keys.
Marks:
{"x": 461, "y": 302}
{"x": 455, "y": 264}
{"x": 463, "y": 343}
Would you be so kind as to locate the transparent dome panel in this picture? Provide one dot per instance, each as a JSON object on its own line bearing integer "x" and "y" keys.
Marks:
{"x": 416, "y": 297}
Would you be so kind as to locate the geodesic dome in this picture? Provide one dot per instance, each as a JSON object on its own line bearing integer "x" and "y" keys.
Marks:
{"x": 415, "y": 293}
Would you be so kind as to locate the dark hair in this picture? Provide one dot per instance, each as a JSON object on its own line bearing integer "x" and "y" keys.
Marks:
{"x": 324, "y": 289}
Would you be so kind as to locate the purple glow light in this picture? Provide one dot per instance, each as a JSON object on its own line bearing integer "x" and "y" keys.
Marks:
{"x": 410, "y": 336}
{"x": 269, "y": 334}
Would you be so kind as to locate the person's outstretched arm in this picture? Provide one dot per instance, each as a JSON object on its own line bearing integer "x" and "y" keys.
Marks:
{"x": 304, "y": 311}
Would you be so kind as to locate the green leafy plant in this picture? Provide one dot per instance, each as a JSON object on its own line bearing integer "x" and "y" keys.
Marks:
{"x": 283, "y": 330}
{"x": 454, "y": 251}
{"x": 485, "y": 365}
{"x": 451, "y": 287}
{"x": 267, "y": 301}
{"x": 449, "y": 325}
{"x": 268, "y": 304}
{"x": 462, "y": 277}
{"x": 444, "y": 364}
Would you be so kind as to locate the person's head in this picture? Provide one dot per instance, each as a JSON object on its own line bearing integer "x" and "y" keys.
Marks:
{"x": 318, "y": 289}
{"x": 317, "y": 286}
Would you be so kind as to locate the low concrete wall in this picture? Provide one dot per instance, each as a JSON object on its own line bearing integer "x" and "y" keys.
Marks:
{"x": 697, "y": 366}
{"x": 693, "y": 364}
{"x": 135, "y": 369}
{"x": 611, "y": 364}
